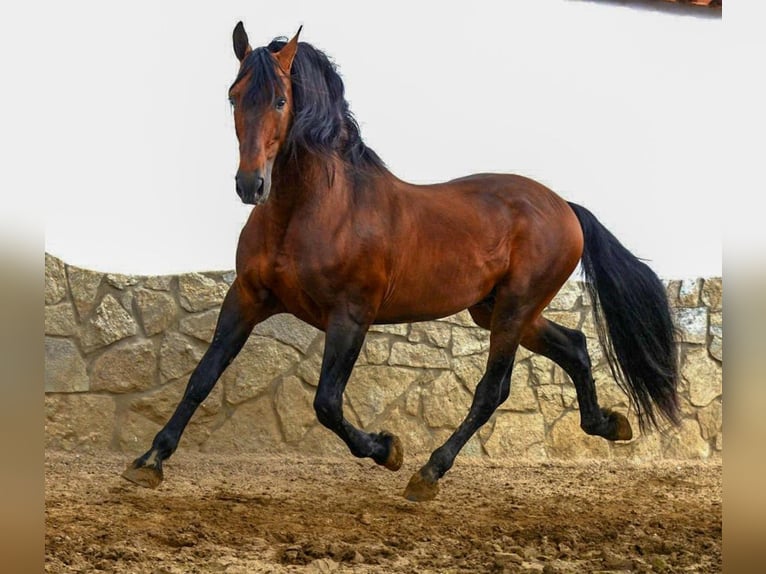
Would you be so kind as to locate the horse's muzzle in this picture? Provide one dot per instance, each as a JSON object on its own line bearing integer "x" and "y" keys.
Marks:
{"x": 252, "y": 187}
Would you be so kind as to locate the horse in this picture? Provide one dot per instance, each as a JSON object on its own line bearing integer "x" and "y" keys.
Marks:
{"x": 338, "y": 241}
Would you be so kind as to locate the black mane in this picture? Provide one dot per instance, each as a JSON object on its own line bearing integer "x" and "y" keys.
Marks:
{"x": 322, "y": 122}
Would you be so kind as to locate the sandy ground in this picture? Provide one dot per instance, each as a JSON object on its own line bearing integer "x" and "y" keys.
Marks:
{"x": 250, "y": 513}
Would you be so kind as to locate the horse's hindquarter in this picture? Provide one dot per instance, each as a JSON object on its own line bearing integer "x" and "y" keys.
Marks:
{"x": 458, "y": 240}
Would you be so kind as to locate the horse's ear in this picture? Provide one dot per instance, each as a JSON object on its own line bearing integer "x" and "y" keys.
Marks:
{"x": 286, "y": 55}
{"x": 241, "y": 43}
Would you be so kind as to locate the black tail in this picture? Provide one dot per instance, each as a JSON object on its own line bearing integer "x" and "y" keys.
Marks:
{"x": 633, "y": 321}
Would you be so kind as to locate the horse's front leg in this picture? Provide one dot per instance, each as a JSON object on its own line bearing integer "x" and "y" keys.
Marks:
{"x": 343, "y": 341}
{"x": 242, "y": 309}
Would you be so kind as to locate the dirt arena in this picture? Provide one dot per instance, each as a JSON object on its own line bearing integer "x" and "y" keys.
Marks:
{"x": 246, "y": 514}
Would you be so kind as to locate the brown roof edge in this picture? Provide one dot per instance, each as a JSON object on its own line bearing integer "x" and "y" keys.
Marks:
{"x": 705, "y": 3}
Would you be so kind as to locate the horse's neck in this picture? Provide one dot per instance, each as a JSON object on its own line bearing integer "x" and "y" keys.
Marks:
{"x": 308, "y": 181}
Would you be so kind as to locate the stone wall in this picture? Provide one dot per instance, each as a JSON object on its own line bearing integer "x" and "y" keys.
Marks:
{"x": 119, "y": 350}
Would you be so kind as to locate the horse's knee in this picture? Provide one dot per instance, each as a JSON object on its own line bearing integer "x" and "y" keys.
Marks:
{"x": 485, "y": 409}
{"x": 328, "y": 411}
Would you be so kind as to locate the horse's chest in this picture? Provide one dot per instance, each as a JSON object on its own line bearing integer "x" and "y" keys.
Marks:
{"x": 281, "y": 275}
{"x": 290, "y": 282}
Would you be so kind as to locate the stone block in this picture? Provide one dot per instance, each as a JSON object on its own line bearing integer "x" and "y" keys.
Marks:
{"x": 550, "y": 402}
{"x": 294, "y": 406}
{"x": 445, "y": 402}
{"x": 710, "y": 420}
{"x": 60, "y": 320}
{"x": 179, "y": 356}
{"x": 685, "y": 442}
{"x": 566, "y": 440}
{"x": 121, "y": 281}
{"x": 692, "y": 324}
{"x": 715, "y": 348}
{"x": 568, "y": 319}
{"x": 126, "y": 367}
{"x": 108, "y": 324}
{"x": 55, "y": 280}
{"x": 83, "y": 285}
{"x": 643, "y": 448}
{"x": 289, "y": 330}
{"x": 196, "y": 292}
{"x": 541, "y": 370}
{"x": 416, "y": 438}
{"x": 376, "y": 350}
{"x": 568, "y": 297}
{"x": 517, "y": 435}
{"x": 469, "y": 369}
{"x": 372, "y": 389}
{"x": 412, "y": 402}
{"x": 609, "y": 393}
{"x": 469, "y": 341}
{"x": 418, "y": 355}
{"x": 703, "y": 376}
{"x": 156, "y": 310}
{"x": 431, "y": 332}
{"x": 159, "y": 404}
{"x": 398, "y": 329}
{"x": 309, "y": 368}
{"x": 78, "y": 422}
{"x": 672, "y": 289}
{"x": 200, "y": 325}
{"x": 258, "y": 365}
{"x": 135, "y": 433}
{"x": 159, "y": 282}
{"x": 522, "y": 396}
{"x": 462, "y": 319}
{"x": 252, "y": 427}
{"x": 65, "y": 370}
{"x": 689, "y": 292}
{"x": 522, "y": 354}
{"x": 321, "y": 441}
{"x": 712, "y": 293}
{"x": 126, "y": 300}
{"x": 472, "y": 448}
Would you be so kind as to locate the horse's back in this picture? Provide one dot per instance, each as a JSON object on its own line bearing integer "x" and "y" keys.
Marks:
{"x": 458, "y": 240}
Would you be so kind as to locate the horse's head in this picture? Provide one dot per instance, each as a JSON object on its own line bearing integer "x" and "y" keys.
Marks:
{"x": 262, "y": 100}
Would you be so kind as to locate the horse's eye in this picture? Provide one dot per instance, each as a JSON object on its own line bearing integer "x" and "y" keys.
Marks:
{"x": 232, "y": 103}
{"x": 280, "y": 103}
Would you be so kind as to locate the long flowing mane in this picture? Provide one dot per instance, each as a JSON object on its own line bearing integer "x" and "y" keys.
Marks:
{"x": 322, "y": 122}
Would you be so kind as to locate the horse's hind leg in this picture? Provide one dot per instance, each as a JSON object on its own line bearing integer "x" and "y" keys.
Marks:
{"x": 567, "y": 348}
{"x": 491, "y": 392}
{"x": 343, "y": 341}
{"x": 239, "y": 314}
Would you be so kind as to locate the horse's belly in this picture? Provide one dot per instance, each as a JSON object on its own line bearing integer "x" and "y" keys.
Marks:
{"x": 431, "y": 292}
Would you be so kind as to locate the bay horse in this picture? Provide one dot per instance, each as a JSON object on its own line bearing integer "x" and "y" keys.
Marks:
{"x": 337, "y": 240}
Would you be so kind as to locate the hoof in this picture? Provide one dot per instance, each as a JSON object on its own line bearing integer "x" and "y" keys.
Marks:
{"x": 395, "y": 451}
{"x": 146, "y": 476}
{"x": 618, "y": 425}
{"x": 421, "y": 489}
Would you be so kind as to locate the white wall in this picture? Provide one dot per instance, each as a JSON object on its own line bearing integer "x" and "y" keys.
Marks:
{"x": 616, "y": 108}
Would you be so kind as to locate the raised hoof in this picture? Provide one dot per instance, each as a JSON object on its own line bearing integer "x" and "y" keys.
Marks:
{"x": 395, "y": 451}
{"x": 421, "y": 489}
{"x": 146, "y": 476}
{"x": 619, "y": 426}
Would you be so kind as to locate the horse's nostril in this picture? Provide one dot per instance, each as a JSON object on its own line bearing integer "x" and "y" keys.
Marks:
{"x": 250, "y": 186}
